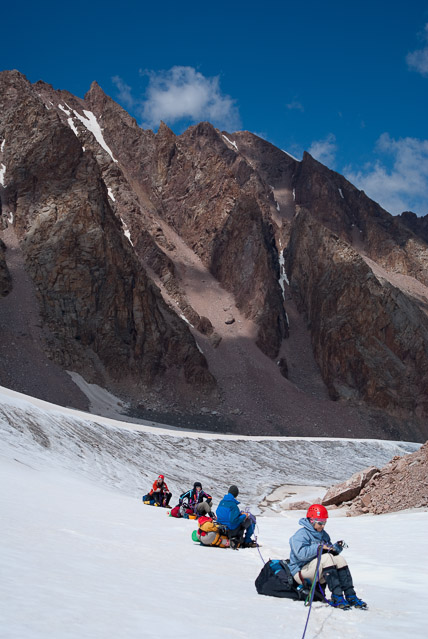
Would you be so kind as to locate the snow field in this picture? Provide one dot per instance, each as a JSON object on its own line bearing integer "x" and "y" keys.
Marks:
{"x": 82, "y": 557}
{"x": 81, "y": 561}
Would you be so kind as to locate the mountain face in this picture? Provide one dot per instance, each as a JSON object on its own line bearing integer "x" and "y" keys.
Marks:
{"x": 210, "y": 273}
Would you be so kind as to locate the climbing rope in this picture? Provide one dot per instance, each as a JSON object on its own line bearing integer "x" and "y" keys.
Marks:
{"x": 258, "y": 547}
{"x": 310, "y": 597}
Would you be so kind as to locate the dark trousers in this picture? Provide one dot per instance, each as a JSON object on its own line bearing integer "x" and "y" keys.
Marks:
{"x": 246, "y": 528}
{"x": 162, "y": 498}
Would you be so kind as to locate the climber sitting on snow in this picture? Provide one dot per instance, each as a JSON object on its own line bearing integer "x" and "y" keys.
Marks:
{"x": 159, "y": 494}
{"x": 189, "y": 500}
{"x": 333, "y": 569}
{"x": 240, "y": 525}
{"x": 209, "y": 532}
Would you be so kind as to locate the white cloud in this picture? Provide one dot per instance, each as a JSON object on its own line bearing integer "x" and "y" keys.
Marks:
{"x": 182, "y": 93}
{"x": 324, "y": 150}
{"x": 125, "y": 92}
{"x": 418, "y": 60}
{"x": 402, "y": 187}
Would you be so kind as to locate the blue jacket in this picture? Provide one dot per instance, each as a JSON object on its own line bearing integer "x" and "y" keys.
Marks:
{"x": 228, "y": 513}
{"x": 304, "y": 545}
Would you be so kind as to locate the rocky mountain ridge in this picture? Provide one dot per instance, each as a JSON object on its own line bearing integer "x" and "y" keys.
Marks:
{"x": 211, "y": 273}
{"x": 399, "y": 485}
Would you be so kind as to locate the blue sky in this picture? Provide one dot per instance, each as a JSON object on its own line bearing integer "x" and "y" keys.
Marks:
{"x": 347, "y": 82}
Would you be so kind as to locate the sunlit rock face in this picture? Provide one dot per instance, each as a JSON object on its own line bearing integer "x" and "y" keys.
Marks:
{"x": 211, "y": 272}
{"x": 399, "y": 485}
{"x": 103, "y": 311}
{"x": 368, "y": 337}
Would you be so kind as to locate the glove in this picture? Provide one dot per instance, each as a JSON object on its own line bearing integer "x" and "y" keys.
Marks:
{"x": 337, "y": 548}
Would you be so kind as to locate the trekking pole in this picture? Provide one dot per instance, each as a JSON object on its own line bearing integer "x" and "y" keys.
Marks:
{"x": 312, "y": 591}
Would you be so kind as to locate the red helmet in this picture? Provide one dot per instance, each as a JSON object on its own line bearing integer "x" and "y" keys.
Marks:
{"x": 161, "y": 477}
{"x": 317, "y": 511}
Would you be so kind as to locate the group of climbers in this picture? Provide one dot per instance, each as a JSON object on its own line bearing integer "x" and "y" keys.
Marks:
{"x": 189, "y": 500}
{"x": 313, "y": 557}
{"x": 228, "y": 527}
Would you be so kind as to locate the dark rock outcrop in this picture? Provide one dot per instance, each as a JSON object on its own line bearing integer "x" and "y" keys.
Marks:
{"x": 369, "y": 339}
{"x": 360, "y": 221}
{"x": 5, "y": 278}
{"x": 94, "y": 295}
{"x": 418, "y": 225}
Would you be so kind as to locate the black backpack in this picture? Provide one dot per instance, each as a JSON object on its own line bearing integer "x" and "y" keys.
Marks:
{"x": 276, "y": 580}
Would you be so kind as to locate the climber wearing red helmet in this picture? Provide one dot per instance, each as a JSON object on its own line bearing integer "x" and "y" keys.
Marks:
{"x": 333, "y": 569}
{"x": 159, "y": 494}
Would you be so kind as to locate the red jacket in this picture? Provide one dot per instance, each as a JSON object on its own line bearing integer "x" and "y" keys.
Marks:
{"x": 163, "y": 487}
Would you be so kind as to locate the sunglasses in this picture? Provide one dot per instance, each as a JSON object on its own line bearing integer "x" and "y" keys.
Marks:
{"x": 320, "y": 522}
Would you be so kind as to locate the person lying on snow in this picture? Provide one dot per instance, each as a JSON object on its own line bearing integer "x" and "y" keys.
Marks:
{"x": 189, "y": 500}
{"x": 333, "y": 568}
{"x": 159, "y": 494}
{"x": 240, "y": 525}
{"x": 209, "y": 532}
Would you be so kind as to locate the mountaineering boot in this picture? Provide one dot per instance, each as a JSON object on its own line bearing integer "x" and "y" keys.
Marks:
{"x": 249, "y": 544}
{"x": 234, "y": 544}
{"x": 353, "y": 600}
{"x": 338, "y": 601}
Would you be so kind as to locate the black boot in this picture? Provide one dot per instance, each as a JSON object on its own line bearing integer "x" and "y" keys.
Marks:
{"x": 331, "y": 576}
{"x": 332, "y": 579}
{"x": 345, "y": 579}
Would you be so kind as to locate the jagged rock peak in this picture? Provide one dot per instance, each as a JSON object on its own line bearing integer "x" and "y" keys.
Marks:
{"x": 95, "y": 93}
{"x": 164, "y": 131}
{"x": 203, "y": 129}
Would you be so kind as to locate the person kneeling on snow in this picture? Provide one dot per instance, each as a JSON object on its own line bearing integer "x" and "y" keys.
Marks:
{"x": 305, "y": 545}
{"x": 240, "y": 525}
{"x": 209, "y": 532}
{"x": 159, "y": 494}
{"x": 189, "y": 500}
